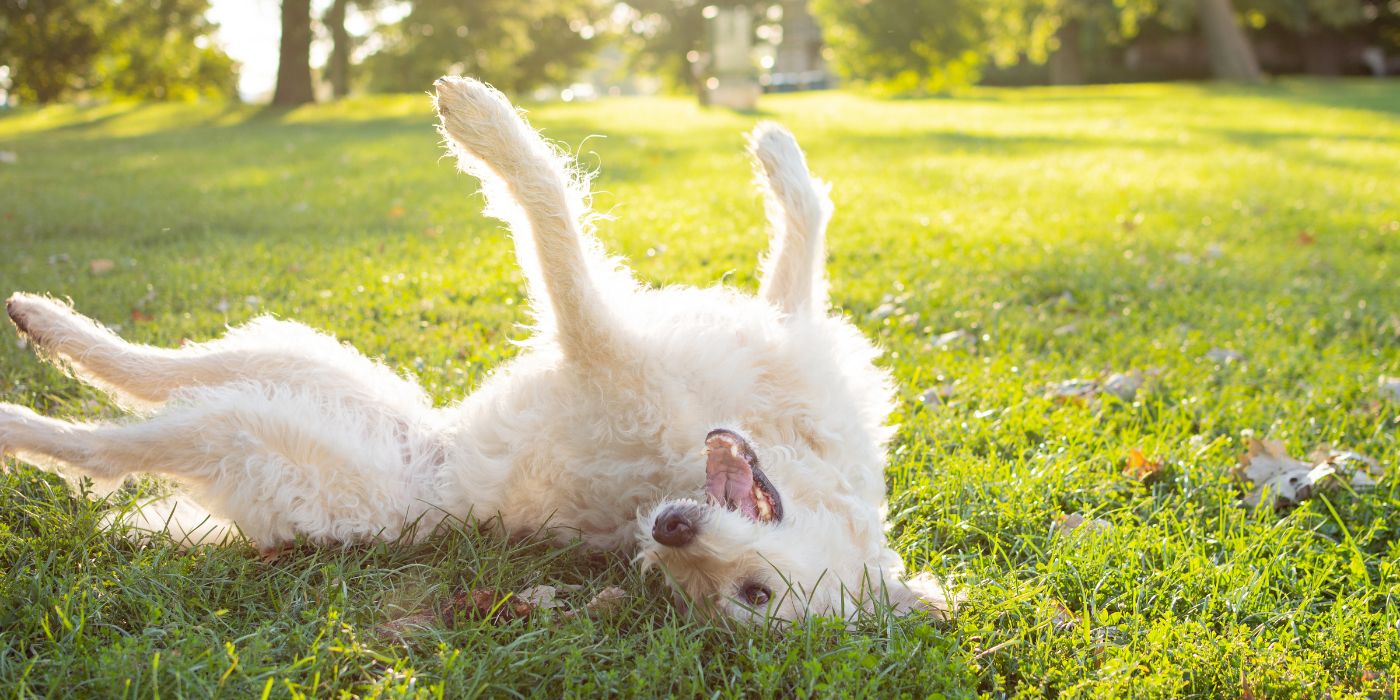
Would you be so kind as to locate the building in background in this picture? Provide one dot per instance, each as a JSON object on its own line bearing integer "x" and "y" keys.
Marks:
{"x": 798, "y": 59}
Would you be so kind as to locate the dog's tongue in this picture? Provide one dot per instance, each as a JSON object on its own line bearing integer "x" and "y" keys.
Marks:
{"x": 729, "y": 480}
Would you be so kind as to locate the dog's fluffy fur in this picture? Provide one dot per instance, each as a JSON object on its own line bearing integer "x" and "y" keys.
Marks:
{"x": 601, "y": 430}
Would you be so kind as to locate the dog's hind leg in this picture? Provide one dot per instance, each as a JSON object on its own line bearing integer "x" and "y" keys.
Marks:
{"x": 529, "y": 184}
{"x": 265, "y": 349}
{"x": 799, "y": 207}
{"x": 276, "y": 461}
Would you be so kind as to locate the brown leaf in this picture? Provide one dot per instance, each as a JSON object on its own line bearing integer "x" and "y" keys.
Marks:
{"x": 1080, "y": 391}
{"x": 101, "y": 266}
{"x": 1305, "y": 237}
{"x": 1140, "y": 468}
{"x": 139, "y": 316}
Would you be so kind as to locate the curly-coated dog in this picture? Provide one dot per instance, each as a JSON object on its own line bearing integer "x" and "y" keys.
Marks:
{"x": 735, "y": 443}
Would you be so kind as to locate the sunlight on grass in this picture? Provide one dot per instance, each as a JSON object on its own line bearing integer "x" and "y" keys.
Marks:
{"x": 996, "y": 245}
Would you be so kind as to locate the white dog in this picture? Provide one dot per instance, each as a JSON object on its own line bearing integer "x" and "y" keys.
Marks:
{"x": 735, "y": 443}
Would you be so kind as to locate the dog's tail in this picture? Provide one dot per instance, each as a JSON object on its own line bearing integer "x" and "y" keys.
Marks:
{"x": 530, "y": 185}
{"x": 799, "y": 207}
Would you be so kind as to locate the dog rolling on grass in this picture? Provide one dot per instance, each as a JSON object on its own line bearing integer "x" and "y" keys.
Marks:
{"x": 734, "y": 443}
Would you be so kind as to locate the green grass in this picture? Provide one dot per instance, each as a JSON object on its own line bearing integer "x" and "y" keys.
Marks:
{"x": 1074, "y": 232}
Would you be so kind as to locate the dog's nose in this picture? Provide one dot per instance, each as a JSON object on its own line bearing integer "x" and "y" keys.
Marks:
{"x": 675, "y": 527}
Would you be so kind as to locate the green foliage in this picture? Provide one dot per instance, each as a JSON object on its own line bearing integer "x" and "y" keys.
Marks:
{"x": 1071, "y": 233}
{"x": 908, "y": 45}
{"x": 518, "y": 45}
{"x": 158, "y": 50}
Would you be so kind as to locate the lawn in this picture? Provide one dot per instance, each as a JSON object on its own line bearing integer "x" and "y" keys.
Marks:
{"x": 1238, "y": 248}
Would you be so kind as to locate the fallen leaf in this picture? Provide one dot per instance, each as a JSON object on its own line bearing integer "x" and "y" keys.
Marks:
{"x": 1269, "y": 468}
{"x": 1064, "y": 619}
{"x": 1140, "y": 467}
{"x": 958, "y": 337}
{"x": 1390, "y": 388}
{"x": 541, "y": 597}
{"x": 1076, "y": 522}
{"x": 1124, "y": 386}
{"x": 1223, "y": 355}
{"x": 1305, "y": 237}
{"x": 482, "y": 604}
{"x": 139, "y": 316}
{"x": 101, "y": 266}
{"x": 1073, "y": 391}
{"x": 883, "y": 311}
{"x": 937, "y": 396}
{"x": 606, "y": 602}
{"x": 395, "y": 212}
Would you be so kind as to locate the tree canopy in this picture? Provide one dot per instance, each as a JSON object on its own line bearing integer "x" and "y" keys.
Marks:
{"x": 159, "y": 49}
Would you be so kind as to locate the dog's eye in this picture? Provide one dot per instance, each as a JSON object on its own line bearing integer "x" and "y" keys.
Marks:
{"x": 757, "y": 594}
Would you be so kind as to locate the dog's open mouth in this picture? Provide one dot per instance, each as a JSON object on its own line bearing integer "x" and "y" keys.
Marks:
{"x": 733, "y": 479}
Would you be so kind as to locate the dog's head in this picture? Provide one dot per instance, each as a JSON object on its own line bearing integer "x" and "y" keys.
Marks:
{"x": 748, "y": 554}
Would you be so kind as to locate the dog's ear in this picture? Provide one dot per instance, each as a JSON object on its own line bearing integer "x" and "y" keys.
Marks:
{"x": 921, "y": 592}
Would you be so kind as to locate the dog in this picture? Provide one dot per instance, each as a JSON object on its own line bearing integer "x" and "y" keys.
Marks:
{"x": 736, "y": 443}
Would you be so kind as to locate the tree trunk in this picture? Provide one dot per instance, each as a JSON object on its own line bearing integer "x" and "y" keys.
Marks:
{"x": 294, "y": 60}
{"x": 338, "y": 65}
{"x": 1065, "y": 66}
{"x": 1231, "y": 56}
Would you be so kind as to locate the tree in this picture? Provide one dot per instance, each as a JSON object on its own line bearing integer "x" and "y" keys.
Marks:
{"x": 1086, "y": 28}
{"x": 1231, "y": 56}
{"x": 338, "y": 63}
{"x": 930, "y": 45}
{"x": 514, "y": 45}
{"x": 154, "y": 50}
{"x": 294, "y": 55}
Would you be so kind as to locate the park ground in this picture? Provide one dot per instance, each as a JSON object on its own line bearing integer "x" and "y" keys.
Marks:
{"x": 1237, "y": 250}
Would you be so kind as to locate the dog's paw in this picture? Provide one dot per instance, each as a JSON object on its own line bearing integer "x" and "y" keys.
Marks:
{"x": 37, "y": 317}
{"x": 468, "y": 98}
{"x": 17, "y": 308}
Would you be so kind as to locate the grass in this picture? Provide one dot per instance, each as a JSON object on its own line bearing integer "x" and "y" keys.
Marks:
{"x": 1072, "y": 232}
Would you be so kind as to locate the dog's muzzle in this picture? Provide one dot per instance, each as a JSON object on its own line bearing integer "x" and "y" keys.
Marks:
{"x": 676, "y": 525}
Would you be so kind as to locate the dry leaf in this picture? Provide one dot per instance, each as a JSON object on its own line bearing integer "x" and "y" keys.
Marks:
{"x": 1073, "y": 391}
{"x": 1141, "y": 468}
{"x": 883, "y": 311}
{"x": 1124, "y": 386}
{"x": 1305, "y": 237}
{"x": 395, "y": 212}
{"x": 1268, "y": 466}
{"x": 608, "y": 600}
{"x": 951, "y": 338}
{"x": 1064, "y": 619}
{"x": 1076, "y": 522}
{"x": 937, "y": 395}
{"x": 1223, "y": 355}
{"x": 101, "y": 266}
{"x": 541, "y": 597}
{"x": 139, "y": 316}
{"x": 1390, "y": 388}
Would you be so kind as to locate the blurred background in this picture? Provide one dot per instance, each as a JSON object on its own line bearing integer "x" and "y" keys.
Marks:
{"x": 299, "y": 51}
